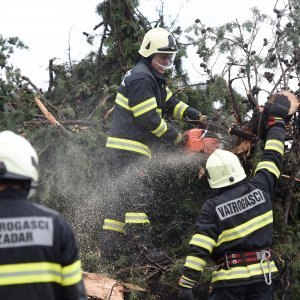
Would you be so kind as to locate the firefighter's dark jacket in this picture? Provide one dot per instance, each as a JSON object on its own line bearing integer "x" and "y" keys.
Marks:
{"x": 38, "y": 252}
{"x": 141, "y": 103}
{"x": 239, "y": 219}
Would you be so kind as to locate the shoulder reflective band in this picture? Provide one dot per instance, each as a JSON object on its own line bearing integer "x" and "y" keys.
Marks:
{"x": 136, "y": 218}
{"x": 113, "y": 225}
{"x": 169, "y": 94}
{"x": 269, "y": 166}
{"x": 203, "y": 241}
{"x": 186, "y": 282}
{"x": 122, "y": 101}
{"x": 179, "y": 110}
{"x": 144, "y": 107}
{"x": 242, "y": 272}
{"x": 195, "y": 263}
{"x": 161, "y": 129}
{"x": 128, "y": 145}
{"x": 246, "y": 228}
{"x": 275, "y": 145}
{"x": 40, "y": 272}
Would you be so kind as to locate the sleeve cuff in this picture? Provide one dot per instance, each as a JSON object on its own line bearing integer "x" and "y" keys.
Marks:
{"x": 186, "y": 282}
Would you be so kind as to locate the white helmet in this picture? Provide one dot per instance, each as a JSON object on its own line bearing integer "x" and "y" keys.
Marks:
{"x": 18, "y": 159}
{"x": 158, "y": 40}
{"x": 223, "y": 169}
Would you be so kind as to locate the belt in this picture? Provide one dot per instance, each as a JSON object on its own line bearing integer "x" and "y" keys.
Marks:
{"x": 241, "y": 258}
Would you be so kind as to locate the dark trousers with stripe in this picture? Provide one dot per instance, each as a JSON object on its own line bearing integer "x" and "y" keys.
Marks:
{"x": 255, "y": 291}
{"x": 129, "y": 191}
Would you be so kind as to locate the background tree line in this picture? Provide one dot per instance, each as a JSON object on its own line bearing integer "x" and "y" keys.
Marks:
{"x": 241, "y": 63}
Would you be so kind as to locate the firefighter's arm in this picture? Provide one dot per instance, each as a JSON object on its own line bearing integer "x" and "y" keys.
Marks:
{"x": 143, "y": 105}
{"x": 72, "y": 281}
{"x": 270, "y": 164}
{"x": 181, "y": 110}
{"x": 200, "y": 247}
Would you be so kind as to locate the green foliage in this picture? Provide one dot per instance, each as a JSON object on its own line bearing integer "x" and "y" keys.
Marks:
{"x": 73, "y": 178}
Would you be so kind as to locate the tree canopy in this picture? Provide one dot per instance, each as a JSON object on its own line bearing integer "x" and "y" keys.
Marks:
{"x": 242, "y": 64}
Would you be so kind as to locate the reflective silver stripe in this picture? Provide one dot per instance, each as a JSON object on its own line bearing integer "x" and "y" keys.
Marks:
{"x": 159, "y": 111}
{"x": 246, "y": 228}
{"x": 186, "y": 282}
{"x": 136, "y": 218}
{"x": 114, "y": 225}
{"x": 179, "y": 110}
{"x": 161, "y": 129}
{"x": 275, "y": 145}
{"x": 242, "y": 272}
{"x": 169, "y": 94}
{"x": 203, "y": 242}
{"x": 128, "y": 145}
{"x": 144, "y": 107}
{"x": 195, "y": 263}
{"x": 270, "y": 166}
{"x": 122, "y": 101}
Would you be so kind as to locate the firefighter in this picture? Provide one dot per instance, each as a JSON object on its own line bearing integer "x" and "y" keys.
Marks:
{"x": 38, "y": 252}
{"x": 138, "y": 124}
{"x": 234, "y": 227}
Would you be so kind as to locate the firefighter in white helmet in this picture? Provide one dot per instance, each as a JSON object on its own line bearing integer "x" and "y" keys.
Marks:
{"x": 142, "y": 101}
{"x": 234, "y": 227}
{"x": 38, "y": 251}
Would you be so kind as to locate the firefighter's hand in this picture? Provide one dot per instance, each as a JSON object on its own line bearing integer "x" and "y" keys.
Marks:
{"x": 180, "y": 140}
{"x": 203, "y": 118}
{"x": 185, "y": 294}
{"x": 280, "y": 107}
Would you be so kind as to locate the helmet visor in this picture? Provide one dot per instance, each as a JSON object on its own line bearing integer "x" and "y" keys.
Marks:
{"x": 164, "y": 60}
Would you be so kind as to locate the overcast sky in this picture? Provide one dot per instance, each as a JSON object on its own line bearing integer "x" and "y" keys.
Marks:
{"x": 47, "y": 26}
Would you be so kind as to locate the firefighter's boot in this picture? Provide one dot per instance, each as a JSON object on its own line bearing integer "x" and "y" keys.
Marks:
{"x": 144, "y": 251}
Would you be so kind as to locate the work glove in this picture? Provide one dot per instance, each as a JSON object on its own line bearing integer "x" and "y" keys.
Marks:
{"x": 185, "y": 294}
{"x": 180, "y": 140}
{"x": 280, "y": 107}
{"x": 202, "y": 118}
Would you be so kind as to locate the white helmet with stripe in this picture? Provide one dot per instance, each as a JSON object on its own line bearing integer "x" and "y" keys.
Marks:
{"x": 223, "y": 169}
{"x": 18, "y": 159}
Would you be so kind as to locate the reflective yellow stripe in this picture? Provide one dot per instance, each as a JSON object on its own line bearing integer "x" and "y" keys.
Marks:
{"x": 179, "y": 110}
{"x": 40, "y": 272}
{"x": 71, "y": 274}
{"x": 122, "y": 101}
{"x": 186, "y": 282}
{"x": 144, "y": 107}
{"x": 169, "y": 94}
{"x": 159, "y": 111}
{"x": 270, "y": 166}
{"x": 128, "y": 145}
{"x": 136, "y": 218}
{"x": 114, "y": 225}
{"x": 243, "y": 272}
{"x": 275, "y": 145}
{"x": 246, "y": 228}
{"x": 161, "y": 129}
{"x": 203, "y": 241}
{"x": 138, "y": 109}
{"x": 195, "y": 263}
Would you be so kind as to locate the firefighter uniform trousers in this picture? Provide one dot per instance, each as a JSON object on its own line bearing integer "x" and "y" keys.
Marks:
{"x": 126, "y": 214}
{"x": 235, "y": 229}
{"x": 38, "y": 252}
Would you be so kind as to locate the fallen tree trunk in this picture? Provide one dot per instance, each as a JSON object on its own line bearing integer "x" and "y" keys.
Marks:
{"x": 101, "y": 287}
